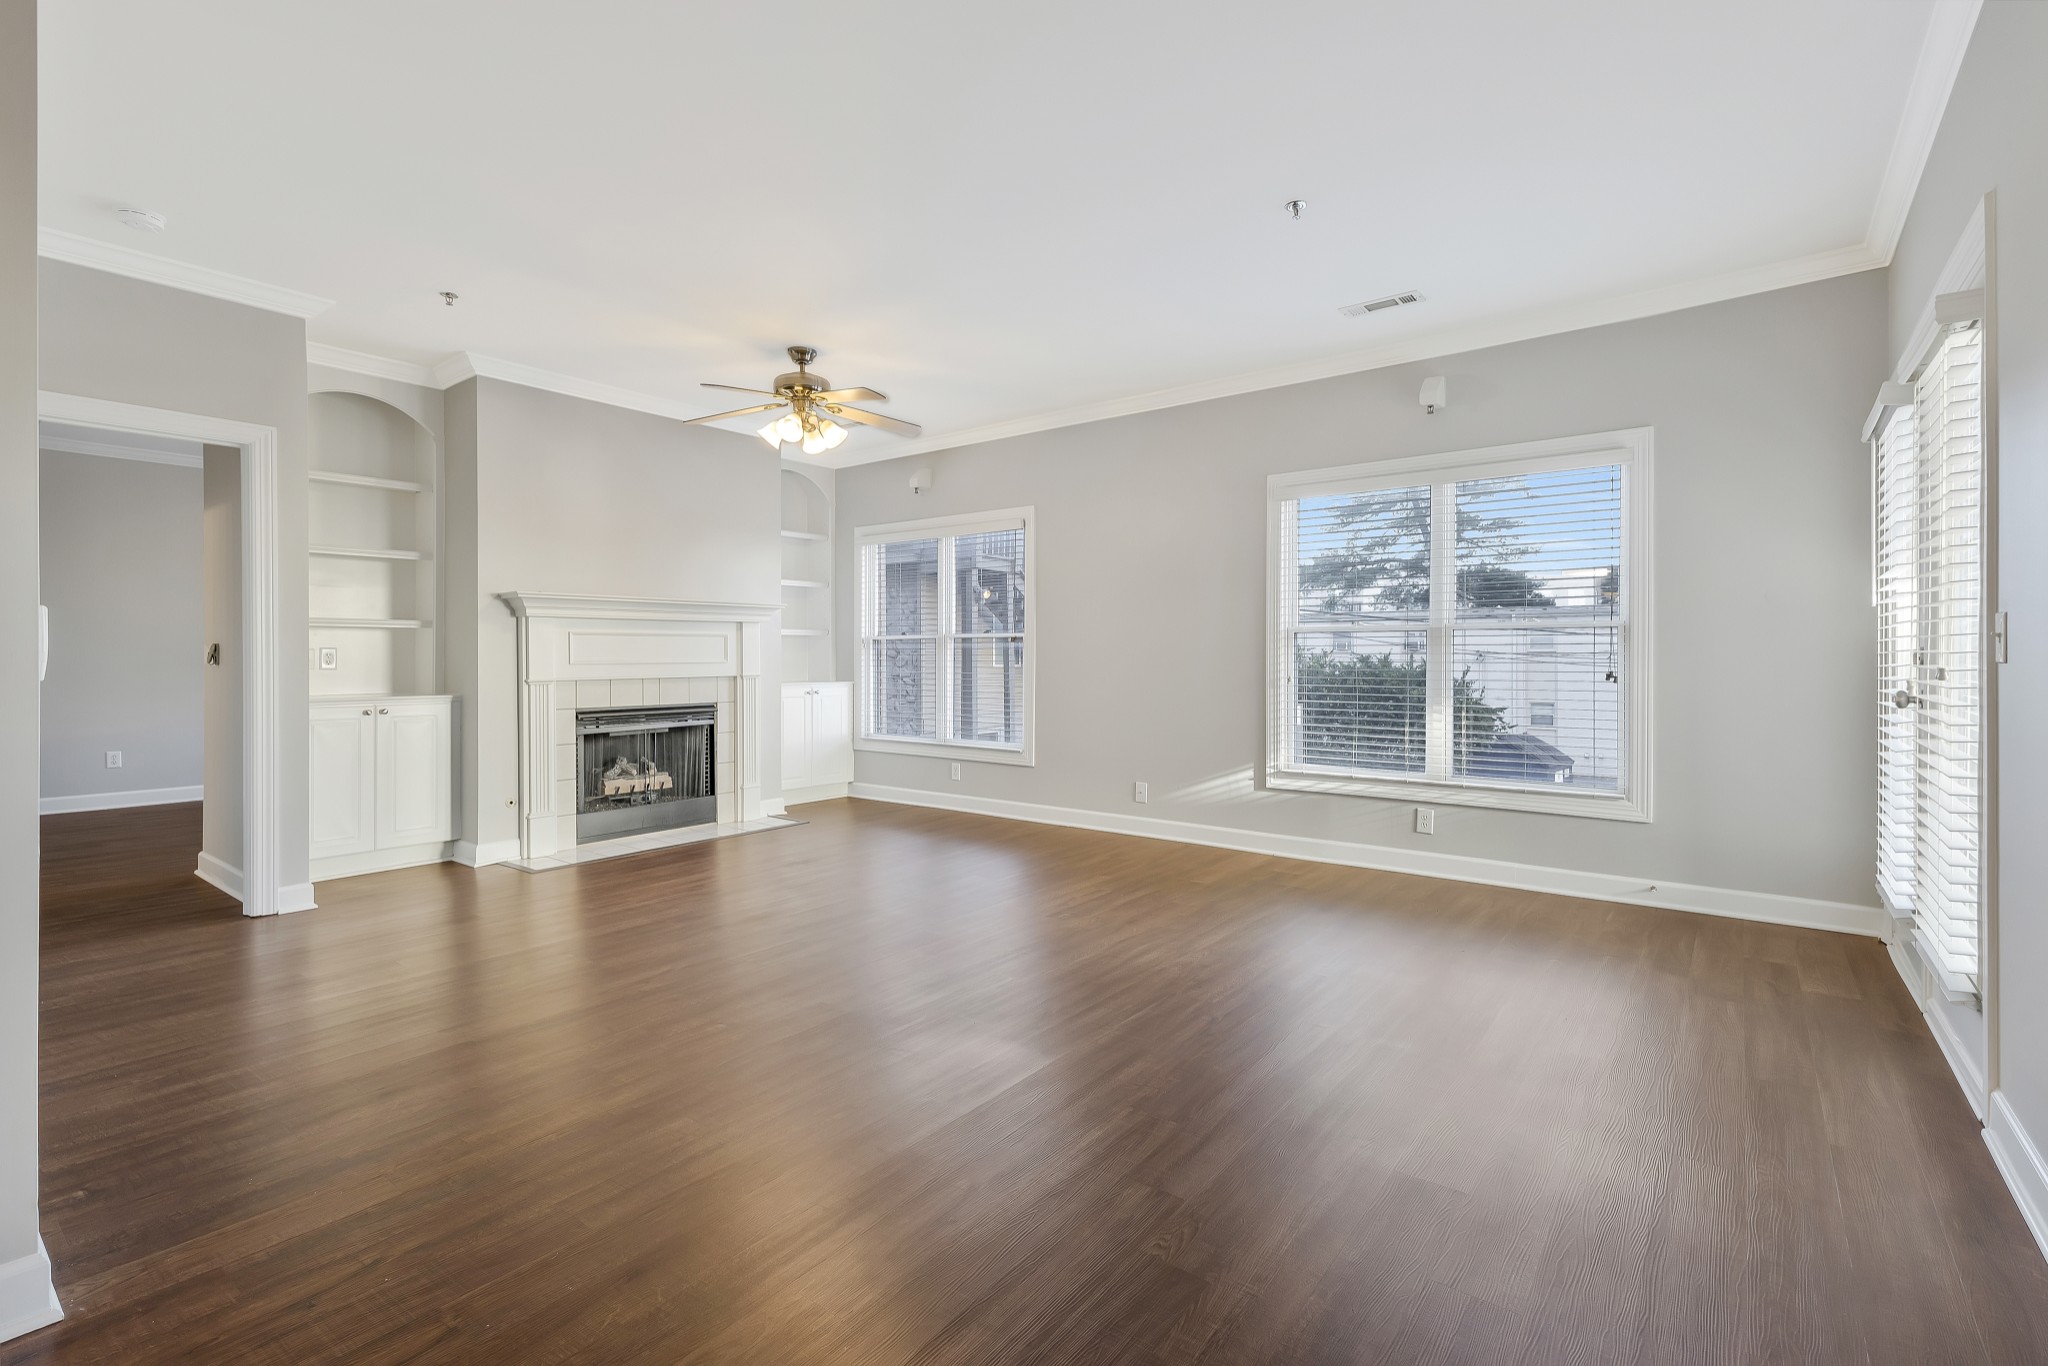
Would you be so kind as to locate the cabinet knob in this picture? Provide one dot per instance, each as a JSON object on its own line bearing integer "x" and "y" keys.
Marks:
{"x": 366, "y": 711}
{"x": 383, "y": 711}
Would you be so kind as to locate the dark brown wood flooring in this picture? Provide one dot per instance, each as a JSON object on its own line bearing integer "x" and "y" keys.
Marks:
{"x": 905, "y": 1086}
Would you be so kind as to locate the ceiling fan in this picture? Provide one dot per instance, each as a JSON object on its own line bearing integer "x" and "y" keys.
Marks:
{"x": 812, "y": 403}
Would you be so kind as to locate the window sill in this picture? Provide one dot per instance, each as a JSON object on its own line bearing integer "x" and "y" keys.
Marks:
{"x": 1590, "y": 805}
{"x": 935, "y": 749}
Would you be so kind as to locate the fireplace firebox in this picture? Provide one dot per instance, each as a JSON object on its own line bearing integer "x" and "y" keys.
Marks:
{"x": 643, "y": 769}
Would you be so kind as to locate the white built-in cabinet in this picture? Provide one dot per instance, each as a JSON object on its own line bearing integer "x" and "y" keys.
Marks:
{"x": 817, "y": 735}
{"x": 382, "y": 777}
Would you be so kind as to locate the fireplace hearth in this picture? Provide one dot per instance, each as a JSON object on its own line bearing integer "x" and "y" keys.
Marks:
{"x": 644, "y": 768}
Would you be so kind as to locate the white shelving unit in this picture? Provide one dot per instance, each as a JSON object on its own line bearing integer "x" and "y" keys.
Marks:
{"x": 806, "y": 580}
{"x": 375, "y": 523}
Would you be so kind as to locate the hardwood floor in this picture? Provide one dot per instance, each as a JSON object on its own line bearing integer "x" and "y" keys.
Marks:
{"x": 906, "y": 1086}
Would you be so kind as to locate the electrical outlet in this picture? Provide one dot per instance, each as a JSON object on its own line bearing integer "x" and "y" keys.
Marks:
{"x": 330, "y": 658}
{"x": 1141, "y": 792}
{"x": 956, "y": 773}
{"x": 1425, "y": 820}
{"x": 113, "y": 758}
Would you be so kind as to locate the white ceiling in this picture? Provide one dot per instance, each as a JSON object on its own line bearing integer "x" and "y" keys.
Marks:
{"x": 1005, "y": 216}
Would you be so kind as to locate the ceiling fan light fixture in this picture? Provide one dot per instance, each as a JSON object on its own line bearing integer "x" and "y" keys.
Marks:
{"x": 772, "y": 434}
{"x": 834, "y": 434}
{"x": 790, "y": 427}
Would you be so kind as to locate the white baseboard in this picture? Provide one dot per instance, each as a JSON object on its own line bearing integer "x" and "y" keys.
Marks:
{"x": 824, "y": 792}
{"x": 1803, "y": 912}
{"x": 114, "y": 801}
{"x": 481, "y": 855}
{"x": 28, "y": 1297}
{"x": 225, "y": 876}
{"x": 1925, "y": 989}
{"x": 293, "y": 896}
{"x": 381, "y": 860}
{"x": 2020, "y": 1163}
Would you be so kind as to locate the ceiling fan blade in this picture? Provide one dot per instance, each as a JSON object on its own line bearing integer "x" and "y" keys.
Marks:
{"x": 737, "y": 412}
{"x": 741, "y": 389}
{"x": 868, "y": 419}
{"x": 853, "y": 395}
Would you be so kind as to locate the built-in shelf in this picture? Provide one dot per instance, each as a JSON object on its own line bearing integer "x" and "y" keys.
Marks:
{"x": 803, "y": 583}
{"x": 789, "y": 535}
{"x": 369, "y": 623}
{"x": 365, "y": 481}
{"x": 343, "y": 552}
{"x": 803, "y": 631}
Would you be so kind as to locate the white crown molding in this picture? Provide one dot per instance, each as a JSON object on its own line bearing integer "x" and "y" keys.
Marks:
{"x": 1770, "y": 907}
{"x": 464, "y": 364}
{"x": 69, "y": 445}
{"x": 161, "y": 270}
{"x": 376, "y": 367}
{"x": 1526, "y": 326}
{"x": 1934, "y": 77}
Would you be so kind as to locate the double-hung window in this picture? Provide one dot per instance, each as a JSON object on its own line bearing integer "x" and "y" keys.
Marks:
{"x": 1470, "y": 628}
{"x": 945, "y": 637}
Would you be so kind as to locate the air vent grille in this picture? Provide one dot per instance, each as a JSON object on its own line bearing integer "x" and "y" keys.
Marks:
{"x": 1380, "y": 305}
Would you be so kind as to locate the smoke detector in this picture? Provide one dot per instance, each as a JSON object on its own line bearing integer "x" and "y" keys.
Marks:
{"x": 142, "y": 220}
{"x": 1380, "y": 305}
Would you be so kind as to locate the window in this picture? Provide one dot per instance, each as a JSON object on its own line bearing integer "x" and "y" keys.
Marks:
{"x": 1431, "y": 615}
{"x": 945, "y": 637}
{"x": 1929, "y": 546}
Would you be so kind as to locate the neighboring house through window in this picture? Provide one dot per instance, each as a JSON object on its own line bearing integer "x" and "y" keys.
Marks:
{"x": 945, "y": 625}
{"x": 1432, "y": 615}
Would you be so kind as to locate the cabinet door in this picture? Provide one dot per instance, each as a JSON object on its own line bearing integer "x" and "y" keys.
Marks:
{"x": 341, "y": 759}
{"x": 796, "y": 736}
{"x": 414, "y": 760}
{"x": 831, "y": 733}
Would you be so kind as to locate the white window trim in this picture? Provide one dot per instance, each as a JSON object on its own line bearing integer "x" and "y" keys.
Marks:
{"x": 959, "y": 750}
{"x": 1631, "y": 447}
{"x": 1966, "y": 270}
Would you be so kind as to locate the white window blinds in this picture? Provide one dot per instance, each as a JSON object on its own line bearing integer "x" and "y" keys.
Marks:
{"x": 1929, "y": 565}
{"x": 1471, "y": 632}
{"x": 943, "y": 635}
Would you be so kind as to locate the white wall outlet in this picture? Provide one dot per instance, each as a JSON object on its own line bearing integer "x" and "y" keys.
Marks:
{"x": 330, "y": 657}
{"x": 1425, "y": 820}
{"x": 956, "y": 773}
{"x": 113, "y": 758}
{"x": 1141, "y": 792}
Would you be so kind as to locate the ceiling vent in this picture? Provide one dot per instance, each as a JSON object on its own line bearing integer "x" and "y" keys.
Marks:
{"x": 1380, "y": 305}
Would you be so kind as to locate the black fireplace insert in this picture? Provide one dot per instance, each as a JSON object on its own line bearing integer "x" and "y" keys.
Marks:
{"x": 644, "y": 768}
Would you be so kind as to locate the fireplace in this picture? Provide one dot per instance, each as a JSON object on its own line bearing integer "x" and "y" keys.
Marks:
{"x": 644, "y": 768}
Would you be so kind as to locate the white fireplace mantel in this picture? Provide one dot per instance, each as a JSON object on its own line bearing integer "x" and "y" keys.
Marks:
{"x": 571, "y": 645}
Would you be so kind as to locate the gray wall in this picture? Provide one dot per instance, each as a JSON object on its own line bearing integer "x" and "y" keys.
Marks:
{"x": 120, "y": 564}
{"x": 24, "y": 1285}
{"x": 1994, "y": 136}
{"x": 1151, "y": 583}
{"x": 107, "y": 336}
{"x": 221, "y": 610}
{"x": 579, "y": 497}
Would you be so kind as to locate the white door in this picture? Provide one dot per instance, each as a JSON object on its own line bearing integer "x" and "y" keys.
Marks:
{"x": 831, "y": 733}
{"x": 414, "y": 748}
{"x": 796, "y": 736}
{"x": 341, "y": 757}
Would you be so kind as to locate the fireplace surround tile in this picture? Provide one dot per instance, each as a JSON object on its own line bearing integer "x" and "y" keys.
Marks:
{"x": 627, "y": 692}
{"x": 594, "y": 692}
